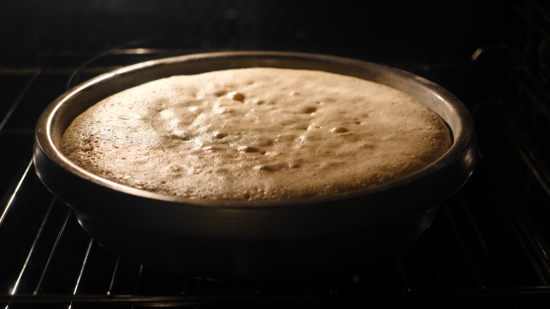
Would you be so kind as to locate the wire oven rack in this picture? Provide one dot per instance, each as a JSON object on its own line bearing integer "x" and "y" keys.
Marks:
{"x": 487, "y": 245}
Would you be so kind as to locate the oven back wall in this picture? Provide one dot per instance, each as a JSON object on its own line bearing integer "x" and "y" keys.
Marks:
{"x": 429, "y": 29}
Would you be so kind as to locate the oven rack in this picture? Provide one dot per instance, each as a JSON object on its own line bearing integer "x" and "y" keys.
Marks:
{"x": 488, "y": 243}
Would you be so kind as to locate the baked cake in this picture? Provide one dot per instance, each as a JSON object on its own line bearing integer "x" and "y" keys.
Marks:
{"x": 256, "y": 134}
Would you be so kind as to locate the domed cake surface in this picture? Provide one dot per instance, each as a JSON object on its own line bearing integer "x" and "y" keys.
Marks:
{"x": 256, "y": 134}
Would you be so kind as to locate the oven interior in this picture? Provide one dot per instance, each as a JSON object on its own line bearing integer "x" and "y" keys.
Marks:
{"x": 487, "y": 246}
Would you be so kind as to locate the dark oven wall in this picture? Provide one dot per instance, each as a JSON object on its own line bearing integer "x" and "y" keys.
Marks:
{"x": 373, "y": 30}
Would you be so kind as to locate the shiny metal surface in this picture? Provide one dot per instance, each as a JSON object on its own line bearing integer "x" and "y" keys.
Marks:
{"x": 233, "y": 239}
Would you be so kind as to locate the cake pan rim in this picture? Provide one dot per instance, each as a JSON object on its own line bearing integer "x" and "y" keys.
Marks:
{"x": 46, "y": 122}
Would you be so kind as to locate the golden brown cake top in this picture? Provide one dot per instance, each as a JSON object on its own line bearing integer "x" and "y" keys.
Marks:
{"x": 256, "y": 134}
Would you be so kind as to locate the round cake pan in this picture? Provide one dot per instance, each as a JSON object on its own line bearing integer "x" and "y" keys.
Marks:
{"x": 231, "y": 239}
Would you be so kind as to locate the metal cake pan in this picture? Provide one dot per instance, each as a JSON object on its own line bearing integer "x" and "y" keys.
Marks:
{"x": 229, "y": 239}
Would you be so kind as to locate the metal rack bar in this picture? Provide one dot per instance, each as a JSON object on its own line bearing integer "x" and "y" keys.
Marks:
{"x": 14, "y": 194}
{"x": 14, "y": 290}
{"x": 83, "y": 265}
{"x": 450, "y": 294}
{"x": 102, "y": 54}
{"x": 137, "y": 281}
{"x": 138, "y": 278}
{"x": 480, "y": 237}
{"x": 40, "y": 284}
{"x": 109, "y": 291}
{"x": 465, "y": 250}
{"x": 404, "y": 281}
{"x": 82, "y": 269}
{"x": 120, "y": 51}
{"x": 432, "y": 259}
